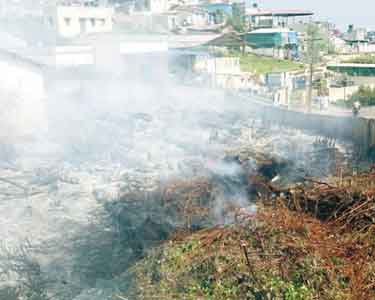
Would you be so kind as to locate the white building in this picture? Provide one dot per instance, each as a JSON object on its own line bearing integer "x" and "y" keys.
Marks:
{"x": 22, "y": 99}
{"x": 356, "y": 34}
{"x": 340, "y": 45}
{"x": 71, "y": 19}
{"x": 157, "y": 6}
{"x": 20, "y": 9}
{"x": 150, "y": 7}
{"x": 184, "y": 16}
{"x": 362, "y": 47}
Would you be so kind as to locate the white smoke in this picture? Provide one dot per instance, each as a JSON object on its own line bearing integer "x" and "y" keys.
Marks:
{"x": 97, "y": 135}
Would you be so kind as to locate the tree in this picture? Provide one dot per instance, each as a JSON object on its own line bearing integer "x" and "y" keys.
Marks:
{"x": 238, "y": 17}
{"x": 219, "y": 16}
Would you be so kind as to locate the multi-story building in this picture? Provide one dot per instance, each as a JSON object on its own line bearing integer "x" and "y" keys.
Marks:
{"x": 276, "y": 42}
{"x": 258, "y": 18}
{"x": 70, "y": 19}
{"x": 355, "y": 34}
{"x": 358, "y": 40}
{"x": 151, "y": 6}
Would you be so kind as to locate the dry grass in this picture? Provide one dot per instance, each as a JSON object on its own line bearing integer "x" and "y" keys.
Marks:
{"x": 311, "y": 241}
{"x": 278, "y": 254}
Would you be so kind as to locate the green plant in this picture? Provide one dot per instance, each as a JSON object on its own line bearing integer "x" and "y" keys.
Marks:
{"x": 290, "y": 290}
{"x": 364, "y": 59}
{"x": 263, "y": 65}
{"x": 365, "y": 95}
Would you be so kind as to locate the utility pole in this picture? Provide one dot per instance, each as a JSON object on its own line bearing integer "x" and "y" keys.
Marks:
{"x": 311, "y": 70}
{"x": 345, "y": 84}
{"x": 309, "y": 99}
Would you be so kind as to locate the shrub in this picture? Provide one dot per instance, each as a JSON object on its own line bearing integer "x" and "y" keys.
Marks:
{"x": 365, "y": 95}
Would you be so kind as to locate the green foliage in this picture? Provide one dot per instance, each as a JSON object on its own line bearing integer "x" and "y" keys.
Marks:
{"x": 235, "y": 23}
{"x": 317, "y": 42}
{"x": 365, "y": 95}
{"x": 364, "y": 59}
{"x": 264, "y": 65}
{"x": 219, "y": 16}
{"x": 290, "y": 290}
{"x": 238, "y": 19}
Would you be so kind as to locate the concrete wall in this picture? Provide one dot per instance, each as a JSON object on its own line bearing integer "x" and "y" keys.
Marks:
{"x": 68, "y": 56}
{"x": 363, "y": 80}
{"x": 228, "y": 81}
{"x": 342, "y": 93}
{"x": 270, "y": 52}
{"x": 336, "y": 93}
{"x": 22, "y": 101}
{"x": 218, "y": 65}
{"x": 359, "y": 131}
{"x": 363, "y": 48}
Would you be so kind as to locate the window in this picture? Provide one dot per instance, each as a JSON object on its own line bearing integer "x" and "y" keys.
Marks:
{"x": 93, "y": 22}
{"x": 50, "y": 21}
{"x": 102, "y": 22}
{"x": 67, "y": 21}
{"x": 82, "y": 24}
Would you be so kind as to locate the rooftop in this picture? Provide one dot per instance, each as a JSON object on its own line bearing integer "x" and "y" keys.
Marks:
{"x": 279, "y": 13}
{"x": 353, "y": 69}
{"x": 270, "y": 30}
{"x": 350, "y": 65}
{"x": 187, "y": 8}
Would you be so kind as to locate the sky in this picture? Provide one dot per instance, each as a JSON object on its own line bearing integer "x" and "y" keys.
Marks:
{"x": 361, "y": 13}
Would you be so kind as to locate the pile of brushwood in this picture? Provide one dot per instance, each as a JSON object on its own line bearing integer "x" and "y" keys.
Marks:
{"x": 314, "y": 240}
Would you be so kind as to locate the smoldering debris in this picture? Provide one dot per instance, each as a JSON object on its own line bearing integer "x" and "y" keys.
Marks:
{"x": 259, "y": 256}
{"x": 322, "y": 226}
{"x": 346, "y": 200}
{"x": 111, "y": 213}
{"x": 113, "y": 178}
